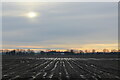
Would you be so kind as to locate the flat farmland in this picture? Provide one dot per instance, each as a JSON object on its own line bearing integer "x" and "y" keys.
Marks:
{"x": 59, "y": 68}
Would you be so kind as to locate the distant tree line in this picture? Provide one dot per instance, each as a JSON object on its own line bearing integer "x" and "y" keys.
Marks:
{"x": 18, "y": 52}
{"x": 72, "y": 52}
{"x": 54, "y": 52}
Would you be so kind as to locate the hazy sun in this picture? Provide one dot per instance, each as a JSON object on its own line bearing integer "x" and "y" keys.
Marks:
{"x": 32, "y": 14}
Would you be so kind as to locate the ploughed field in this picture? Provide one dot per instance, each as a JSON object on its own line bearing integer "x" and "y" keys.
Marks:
{"x": 59, "y": 68}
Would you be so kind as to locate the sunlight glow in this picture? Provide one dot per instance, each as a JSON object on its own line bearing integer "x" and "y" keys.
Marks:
{"x": 32, "y": 14}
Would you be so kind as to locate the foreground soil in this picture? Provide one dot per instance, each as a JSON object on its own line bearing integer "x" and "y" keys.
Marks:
{"x": 61, "y": 67}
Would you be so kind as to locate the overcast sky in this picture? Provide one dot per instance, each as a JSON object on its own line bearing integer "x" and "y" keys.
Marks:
{"x": 60, "y": 25}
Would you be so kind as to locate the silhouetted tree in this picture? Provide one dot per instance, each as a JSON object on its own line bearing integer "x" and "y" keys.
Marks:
{"x": 105, "y": 50}
{"x": 81, "y": 51}
{"x": 93, "y": 50}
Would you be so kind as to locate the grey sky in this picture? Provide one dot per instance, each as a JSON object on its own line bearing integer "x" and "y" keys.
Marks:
{"x": 60, "y": 25}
